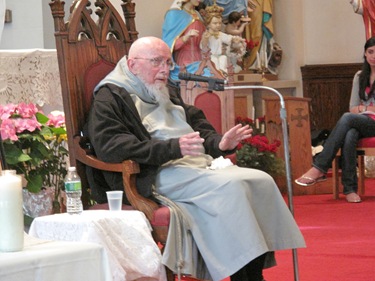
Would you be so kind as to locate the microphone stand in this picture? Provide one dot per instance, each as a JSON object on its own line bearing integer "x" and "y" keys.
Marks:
{"x": 287, "y": 158}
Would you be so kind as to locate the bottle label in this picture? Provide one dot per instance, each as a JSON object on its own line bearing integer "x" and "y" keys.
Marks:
{"x": 73, "y": 186}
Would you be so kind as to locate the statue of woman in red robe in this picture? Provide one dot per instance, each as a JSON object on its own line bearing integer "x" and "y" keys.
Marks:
{"x": 367, "y": 9}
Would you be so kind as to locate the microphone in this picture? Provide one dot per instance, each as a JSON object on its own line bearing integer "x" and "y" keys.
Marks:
{"x": 213, "y": 83}
{"x": 191, "y": 77}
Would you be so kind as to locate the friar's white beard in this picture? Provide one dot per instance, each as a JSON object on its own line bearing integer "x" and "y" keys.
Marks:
{"x": 158, "y": 91}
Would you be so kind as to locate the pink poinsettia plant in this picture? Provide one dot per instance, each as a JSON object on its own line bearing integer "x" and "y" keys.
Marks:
{"x": 257, "y": 151}
{"x": 35, "y": 145}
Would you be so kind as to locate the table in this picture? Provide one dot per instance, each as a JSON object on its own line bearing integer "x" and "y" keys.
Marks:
{"x": 55, "y": 260}
{"x": 125, "y": 236}
{"x": 30, "y": 75}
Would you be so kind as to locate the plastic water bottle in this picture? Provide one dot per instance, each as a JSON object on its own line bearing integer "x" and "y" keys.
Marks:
{"x": 73, "y": 192}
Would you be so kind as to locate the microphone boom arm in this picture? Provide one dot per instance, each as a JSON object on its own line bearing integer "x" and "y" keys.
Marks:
{"x": 213, "y": 85}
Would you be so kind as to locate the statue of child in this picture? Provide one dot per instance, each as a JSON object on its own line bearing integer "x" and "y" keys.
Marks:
{"x": 236, "y": 23}
{"x": 221, "y": 45}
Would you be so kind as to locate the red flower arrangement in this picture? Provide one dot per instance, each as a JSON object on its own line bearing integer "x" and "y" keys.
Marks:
{"x": 261, "y": 143}
{"x": 258, "y": 152}
{"x": 250, "y": 44}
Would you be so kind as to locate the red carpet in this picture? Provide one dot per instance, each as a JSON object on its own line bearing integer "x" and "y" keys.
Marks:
{"x": 340, "y": 240}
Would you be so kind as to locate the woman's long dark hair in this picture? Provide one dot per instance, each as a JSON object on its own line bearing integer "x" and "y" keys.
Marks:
{"x": 364, "y": 77}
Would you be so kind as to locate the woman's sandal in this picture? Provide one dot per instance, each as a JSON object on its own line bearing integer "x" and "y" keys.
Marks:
{"x": 353, "y": 198}
{"x": 310, "y": 181}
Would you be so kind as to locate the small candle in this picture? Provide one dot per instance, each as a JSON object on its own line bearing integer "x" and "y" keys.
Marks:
{"x": 257, "y": 123}
{"x": 265, "y": 59}
{"x": 253, "y": 114}
{"x": 11, "y": 213}
{"x": 258, "y": 61}
{"x": 262, "y": 128}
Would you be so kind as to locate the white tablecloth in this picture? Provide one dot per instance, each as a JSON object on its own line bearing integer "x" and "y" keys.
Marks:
{"x": 55, "y": 260}
{"x": 30, "y": 75}
{"x": 126, "y": 236}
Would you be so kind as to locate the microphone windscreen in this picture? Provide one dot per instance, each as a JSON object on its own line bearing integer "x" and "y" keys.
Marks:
{"x": 184, "y": 76}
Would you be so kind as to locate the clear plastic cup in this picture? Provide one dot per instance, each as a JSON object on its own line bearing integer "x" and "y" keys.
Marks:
{"x": 115, "y": 200}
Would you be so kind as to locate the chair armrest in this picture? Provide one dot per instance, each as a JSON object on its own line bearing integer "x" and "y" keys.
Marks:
{"x": 129, "y": 170}
{"x": 90, "y": 160}
{"x": 129, "y": 173}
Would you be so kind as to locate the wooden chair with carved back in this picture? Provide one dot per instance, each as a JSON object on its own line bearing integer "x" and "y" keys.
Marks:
{"x": 87, "y": 51}
{"x": 365, "y": 147}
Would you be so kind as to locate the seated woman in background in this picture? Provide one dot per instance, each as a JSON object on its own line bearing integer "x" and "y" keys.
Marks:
{"x": 353, "y": 125}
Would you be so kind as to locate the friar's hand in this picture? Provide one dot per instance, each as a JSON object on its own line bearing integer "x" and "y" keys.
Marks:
{"x": 191, "y": 144}
{"x": 233, "y": 137}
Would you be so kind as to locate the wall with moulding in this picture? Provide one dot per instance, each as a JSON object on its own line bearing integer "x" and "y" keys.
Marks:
{"x": 309, "y": 32}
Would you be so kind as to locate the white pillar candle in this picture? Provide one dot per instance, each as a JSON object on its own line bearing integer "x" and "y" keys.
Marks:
{"x": 257, "y": 123}
{"x": 11, "y": 213}
{"x": 265, "y": 59}
{"x": 253, "y": 114}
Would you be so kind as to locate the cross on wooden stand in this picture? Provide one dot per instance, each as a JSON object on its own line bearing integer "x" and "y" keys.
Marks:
{"x": 299, "y": 117}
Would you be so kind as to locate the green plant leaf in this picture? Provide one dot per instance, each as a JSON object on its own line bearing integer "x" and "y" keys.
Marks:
{"x": 14, "y": 155}
{"x": 42, "y": 119}
{"x": 34, "y": 182}
{"x": 46, "y": 132}
{"x": 58, "y": 131}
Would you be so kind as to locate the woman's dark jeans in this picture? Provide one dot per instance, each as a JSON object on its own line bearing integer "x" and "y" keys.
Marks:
{"x": 348, "y": 130}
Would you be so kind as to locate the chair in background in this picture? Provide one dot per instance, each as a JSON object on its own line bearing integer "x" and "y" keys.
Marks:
{"x": 87, "y": 51}
{"x": 365, "y": 147}
{"x": 218, "y": 106}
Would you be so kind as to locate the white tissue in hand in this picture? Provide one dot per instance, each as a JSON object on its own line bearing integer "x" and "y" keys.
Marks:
{"x": 220, "y": 163}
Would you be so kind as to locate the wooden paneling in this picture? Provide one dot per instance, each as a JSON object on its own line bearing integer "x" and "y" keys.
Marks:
{"x": 240, "y": 106}
{"x": 297, "y": 117}
{"x": 329, "y": 87}
{"x": 245, "y": 100}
